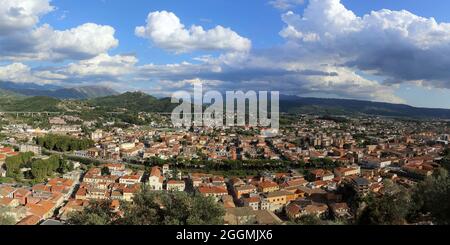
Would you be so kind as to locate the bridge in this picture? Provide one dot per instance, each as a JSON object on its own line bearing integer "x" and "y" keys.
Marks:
{"x": 30, "y": 113}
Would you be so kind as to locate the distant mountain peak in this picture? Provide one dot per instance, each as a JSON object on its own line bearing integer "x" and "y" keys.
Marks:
{"x": 79, "y": 92}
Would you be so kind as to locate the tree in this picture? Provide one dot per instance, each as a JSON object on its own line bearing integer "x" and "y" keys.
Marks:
{"x": 205, "y": 211}
{"x": 326, "y": 163}
{"x": 6, "y": 220}
{"x": 13, "y": 166}
{"x": 432, "y": 196}
{"x": 308, "y": 220}
{"x": 15, "y": 163}
{"x": 63, "y": 143}
{"x": 64, "y": 166}
{"x": 105, "y": 171}
{"x": 41, "y": 169}
{"x": 174, "y": 208}
{"x": 391, "y": 208}
{"x": 97, "y": 213}
{"x": 314, "y": 220}
{"x": 154, "y": 208}
{"x": 445, "y": 162}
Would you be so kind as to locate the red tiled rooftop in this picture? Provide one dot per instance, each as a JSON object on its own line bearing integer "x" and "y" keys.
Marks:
{"x": 212, "y": 190}
{"x": 268, "y": 184}
{"x": 30, "y": 220}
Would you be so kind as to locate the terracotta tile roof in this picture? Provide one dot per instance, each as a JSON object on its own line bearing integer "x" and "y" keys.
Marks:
{"x": 340, "y": 205}
{"x": 115, "y": 204}
{"x": 73, "y": 203}
{"x": 58, "y": 189}
{"x": 319, "y": 183}
{"x": 296, "y": 182}
{"x": 41, "y": 188}
{"x": 175, "y": 182}
{"x": 278, "y": 194}
{"x": 267, "y": 184}
{"x": 245, "y": 188}
{"x": 315, "y": 208}
{"x": 6, "y": 190}
{"x": 60, "y": 182}
{"x": 6, "y": 150}
{"x": 217, "y": 179}
{"x": 21, "y": 193}
{"x": 212, "y": 190}
{"x": 281, "y": 175}
{"x": 132, "y": 189}
{"x": 318, "y": 172}
{"x": 30, "y": 220}
{"x": 252, "y": 199}
{"x": 6, "y": 201}
{"x": 40, "y": 209}
{"x": 293, "y": 209}
{"x": 155, "y": 172}
{"x": 131, "y": 177}
{"x": 81, "y": 192}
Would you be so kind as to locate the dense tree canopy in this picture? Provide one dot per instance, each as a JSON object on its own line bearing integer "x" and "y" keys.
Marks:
{"x": 433, "y": 196}
{"x": 63, "y": 143}
{"x": 398, "y": 205}
{"x": 41, "y": 169}
{"x": 390, "y": 209}
{"x": 15, "y": 163}
{"x": 154, "y": 208}
{"x": 325, "y": 163}
{"x": 4, "y": 218}
{"x": 314, "y": 220}
{"x": 98, "y": 213}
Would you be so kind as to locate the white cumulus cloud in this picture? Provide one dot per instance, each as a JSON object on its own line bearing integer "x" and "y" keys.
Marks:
{"x": 23, "y": 38}
{"x": 16, "y": 15}
{"x": 84, "y": 41}
{"x": 397, "y": 45}
{"x": 166, "y": 31}
{"x": 21, "y": 73}
{"x": 103, "y": 65}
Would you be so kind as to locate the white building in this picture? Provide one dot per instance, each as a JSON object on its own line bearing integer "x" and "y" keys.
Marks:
{"x": 131, "y": 179}
{"x": 376, "y": 163}
{"x": 155, "y": 181}
{"x": 127, "y": 146}
{"x": 37, "y": 150}
{"x": 176, "y": 185}
{"x": 97, "y": 135}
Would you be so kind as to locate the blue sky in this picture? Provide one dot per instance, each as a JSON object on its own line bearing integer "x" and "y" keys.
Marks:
{"x": 321, "y": 48}
{"x": 255, "y": 19}
{"x": 245, "y": 17}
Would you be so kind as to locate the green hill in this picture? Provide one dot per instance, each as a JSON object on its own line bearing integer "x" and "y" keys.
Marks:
{"x": 133, "y": 101}
{"x": 30, "y": 104}
{"x": 9, "y": 94}
{"x": 321, "y": 106}
{"x": 8, "y": 98}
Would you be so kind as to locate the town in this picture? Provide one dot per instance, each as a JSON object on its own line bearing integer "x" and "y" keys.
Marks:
{"x": 315, "y": 167}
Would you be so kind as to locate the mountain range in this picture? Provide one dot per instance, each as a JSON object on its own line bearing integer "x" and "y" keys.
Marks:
{"x": 322, "y": 106}
{"x": 29, "y": 97}
{"x": 82, "y": 92}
